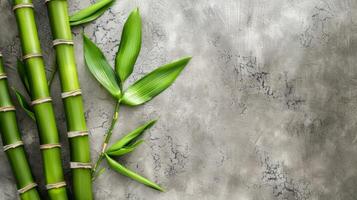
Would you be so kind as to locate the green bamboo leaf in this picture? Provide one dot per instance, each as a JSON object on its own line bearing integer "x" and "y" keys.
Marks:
{"x": 126, "y": 172}
{"x": 126, "y": 149}
{"x": 90, "y": 13}
{"x": 154, "y": 83}
{"x": 99, "y": 67}
{"x": 130, "y": 137}
{"x": 24, "y": 105}
{"x": 129, "y": 47}
{"x": 22, "y": 73}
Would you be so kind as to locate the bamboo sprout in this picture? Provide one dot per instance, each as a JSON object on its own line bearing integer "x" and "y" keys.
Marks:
{"x": 72, "y": 99}
{"x": 13, "y": 145}
{"x": 41, "y": 101}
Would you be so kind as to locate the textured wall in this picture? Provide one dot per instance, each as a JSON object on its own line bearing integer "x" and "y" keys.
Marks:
{"x": 266, "y": 110}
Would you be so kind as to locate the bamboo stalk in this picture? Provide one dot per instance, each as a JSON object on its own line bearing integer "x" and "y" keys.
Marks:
{"x": 72, "y": 99}
{"x": 41, "y": 101}
{"x": 10, "y": 135}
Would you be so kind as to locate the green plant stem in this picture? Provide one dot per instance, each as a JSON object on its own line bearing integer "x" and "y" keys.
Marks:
{"x": 107, "y": 137}
{"x": 75, "y": 118}
{"x": 44, "y": 113}
{"x": 10, "y": 134}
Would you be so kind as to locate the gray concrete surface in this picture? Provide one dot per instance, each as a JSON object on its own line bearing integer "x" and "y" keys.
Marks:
{"x": 266, "y": 110}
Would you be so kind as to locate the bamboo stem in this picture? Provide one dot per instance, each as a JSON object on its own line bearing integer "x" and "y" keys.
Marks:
{"x": 72, "y": 99}
{"x": 45, "y": 118}
{"x": 107, "y": 137}
{"x": 10, "y": 134}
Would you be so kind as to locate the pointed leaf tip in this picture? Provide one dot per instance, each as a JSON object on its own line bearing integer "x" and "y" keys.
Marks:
{"x": 129, "y": 47}
{"x": 90, "y": 13}
{"x": 126, "y": 172}
{"x": 154, "y": 83}
{"x": 100, "y": 68}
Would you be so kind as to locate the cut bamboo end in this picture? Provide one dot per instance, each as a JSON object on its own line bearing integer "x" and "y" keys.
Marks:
{"x": 40, "y": 101}
{"x": 13, "y": 145}
{"x": 62, "y": 41}
{"x": 71, "y": 93}
{"x": 49, "y": 146}
{"x": 73, "y": 134}
{"x": 27, "y": 188}
{"x": 31, "y": 55}
{"x": 3, "y": 76}
{"x": 56, "y": 185}
{"x": 80, "y": 165}
{"x": 7, "y": 108}
{"x": 22, "y": 5}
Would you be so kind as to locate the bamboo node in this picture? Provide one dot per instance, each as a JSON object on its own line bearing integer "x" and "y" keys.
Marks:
{"x": 27, "y": 188}
{"x": 7, "y": 108}
{"x": 49, "y": 146}
{"x": 22, "y": 5}
{"x": 104, "y": 147}
{"x": 13, "y": 145}
{"x": 62, "y": 41}
{"x": 55, "y": 185}
{"x": 71, "y": 93}
{"x": 73, "y": 134}
{"x": 31, "y": 55}
{"x": 80, "y": 165}
{"x": 41, "y": 100}
{"x": 3, "y": 75}
{"x": 46, "y": 1}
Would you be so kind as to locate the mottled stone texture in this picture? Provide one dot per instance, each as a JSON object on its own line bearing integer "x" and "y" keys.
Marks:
{"x": 266, "y": 110}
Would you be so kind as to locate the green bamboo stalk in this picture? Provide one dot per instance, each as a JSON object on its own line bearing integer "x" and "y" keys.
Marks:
{"x": 80, "y": 148}
{"x": 10, "y": 134}
{"x": 43, "y": 109}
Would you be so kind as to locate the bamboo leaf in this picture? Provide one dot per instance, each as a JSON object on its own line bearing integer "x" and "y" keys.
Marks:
{"x": 130, "y": 137}
{"x": 126, "y": 172}
{"x": 125, "y": 149}
{"x": 154, "y": 83}
{"x": 22, "y": 73}
{"x": 99, "y": 67}
{"x": 90, "y": 13}
{"x": 129, "y": 47}
{"x": 24, "y": 105}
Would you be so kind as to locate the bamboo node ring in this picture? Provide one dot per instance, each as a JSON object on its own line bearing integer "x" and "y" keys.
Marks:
{"x": 41, "y": 100}
{"x": 71, "y": 93}
{"x": 27, "y": 188}
{"x": 31, "y": 55}
{"x": 22, "y": 5}
{"x": 7, "y": 108}
{"x": 49, "y": 146}
{"x": 73, "y": 134}
{"x": 104, "y": 147}
{"x": 62, "y": 41}
{"x": 80, "y": 165}
{"x": 55, "y": 185}
{"x": 13, "y": 145}
{"x": 3, "y": 76}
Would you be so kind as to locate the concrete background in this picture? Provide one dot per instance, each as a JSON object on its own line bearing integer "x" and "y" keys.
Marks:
{"x": 266, "y": 110}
